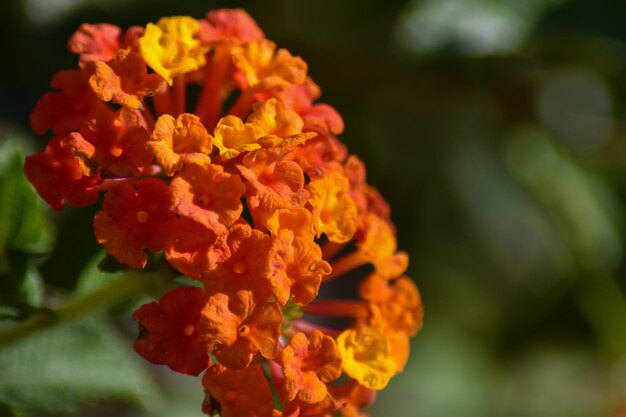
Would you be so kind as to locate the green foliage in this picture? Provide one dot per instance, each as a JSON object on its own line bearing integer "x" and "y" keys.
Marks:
{"x": 62, "y": 367}
{"x": 26, "y": 233}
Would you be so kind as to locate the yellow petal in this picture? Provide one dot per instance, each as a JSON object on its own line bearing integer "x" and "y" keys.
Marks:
{"x": 170, "y": 47}
{"x": 334, "y": 211}
{"x": 366, "y": 356}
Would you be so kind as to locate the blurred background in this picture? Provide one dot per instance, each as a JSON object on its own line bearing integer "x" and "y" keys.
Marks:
{"x": 494, "y": 128}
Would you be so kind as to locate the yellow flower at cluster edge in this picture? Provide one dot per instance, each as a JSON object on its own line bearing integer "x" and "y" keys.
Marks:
{"x": 366, "y": 357}
{"x": 170, "y": 47}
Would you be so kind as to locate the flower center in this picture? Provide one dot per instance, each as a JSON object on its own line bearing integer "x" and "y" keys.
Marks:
{"x": 239, "y": 268}
{"x": 142, "y": 216}
{"x": 243, "y": 330}
{"x": 203, "y": 200}
{"x": 116, "y": 151}
{"x": 188, "y": 330}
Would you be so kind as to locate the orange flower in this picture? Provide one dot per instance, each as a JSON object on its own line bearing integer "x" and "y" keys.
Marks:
{"x": 180, "y": 141}
{"x": 269, "y": 125}
{"x": 262, "y": 67}
{"x": 271, "y": 118}
{"x": 300, "y": 97}
{"x": 378, "y": 246}
{"x": 116, "y": 141}
{"x": 170, "y": 332}
{"x": 68, "y": 109}
{"x": 309, "y": 365}
{"x": 397, "y": 303}
{"x": 233, "y": 136}
{"x": 208, "y": 195}
{"x": 193, "y": 249}
{"x": 237, "y": 393}
{"x": 298, "y": 220}
{"x": 353, "y": 397}
{"x": 58, "y": 175}
{"x": 246, "y": 268}
{"x": 296, "y": 268}
{"x": 251, "y": 205}
{"x": 273, "y": 183}
{"x": 320, "y": 154}
{"x": 394, "y": 307}
{"x": 325, "y": 408}
{"x": 133, "y": 220}
{"x": 97, "y": 42}
{"x": 238, "y": 328}
{"x": 229, "y": 25}
{"x": 124, "y": 80}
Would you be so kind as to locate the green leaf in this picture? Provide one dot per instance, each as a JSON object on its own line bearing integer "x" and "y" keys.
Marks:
{"x": 63, "y": 367}
{"x": 24, "y": 221}
{"x": 7, "y": 410}
{"x": 26, "y": 232}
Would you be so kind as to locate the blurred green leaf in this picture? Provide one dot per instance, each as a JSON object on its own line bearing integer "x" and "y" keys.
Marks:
{"x": 24, "y": 222}
{"x": 63, "y": 367}
{"x": 26, "y": 232}
{"x": 579, "y": 203}
{"x": 8, "y": 411}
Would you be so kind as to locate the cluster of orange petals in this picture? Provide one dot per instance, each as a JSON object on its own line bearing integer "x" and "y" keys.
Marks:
{"x": 250, "y": 194}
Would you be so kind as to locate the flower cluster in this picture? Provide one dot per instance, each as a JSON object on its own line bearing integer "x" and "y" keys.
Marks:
{"x": 251, "y": 195}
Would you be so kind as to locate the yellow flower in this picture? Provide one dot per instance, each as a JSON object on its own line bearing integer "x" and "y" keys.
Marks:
{"x": 366, "y": 357}
{"x": 334, "y": 211}
{"x": 170, "y": 47}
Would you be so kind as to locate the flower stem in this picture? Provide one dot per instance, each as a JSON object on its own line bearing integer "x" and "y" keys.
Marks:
{"x": 346, "y": 264}
{"x": 119, "y": 288}
{"x": 336, "y": 308}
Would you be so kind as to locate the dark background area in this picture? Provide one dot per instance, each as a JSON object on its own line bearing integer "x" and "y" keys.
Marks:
{"x": 495, "y": 129}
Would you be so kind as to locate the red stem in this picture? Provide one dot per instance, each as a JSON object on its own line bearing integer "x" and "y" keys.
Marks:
{"x": 336, "y": 308}
{"x": 162, "y": 101}
{"x": 345, "y": 264}
{"x": 179, "y": 94}
{"x": 308, "y": 328}
{"x": 209, "y": 105}
{"x": 244, "y": 103}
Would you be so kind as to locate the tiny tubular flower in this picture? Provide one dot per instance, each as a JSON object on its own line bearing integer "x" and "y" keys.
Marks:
{"x": 395, "y": 308}
{"x": 237, "y": 393}
{"x": 299, "y": 220}
{"x": 229, "y": 25}
{"x": 296, "y": 268}
{"x": 269, "y": 125}
{"x": 194, "y": 249}
{"x": 133, "y": 220}
{"x": 353, "y": 396}
{"x": 171, "y": 333}
{"x": 378, "y": 246}
{"x": 116, "y": 141}
{"x": 180, "y": 141}
{"x": 247, "y": 266}
{"x": 97, "y": 42}
{"x": 366, "y": 357}
{"x": 238, "y": 328}
{"x": 300, "y": 97}
{"x": 309, "y": 364}
{"x": 263, "y": 67}
{"x": 58, "y": 175}
{"x": 273, "y": 183}
{"x": 124, "y": 80}
{"x": 68, "y": 109}
{"x": 208, "y": 195}
{"x": 170, "y": 47}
